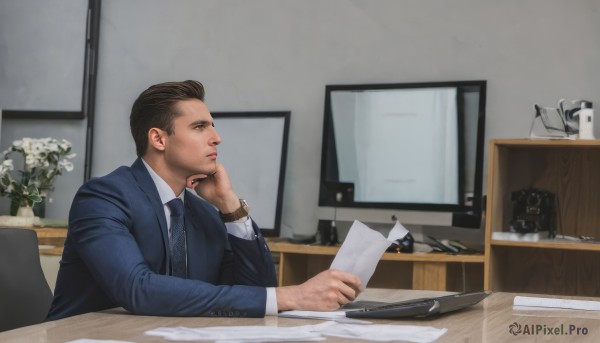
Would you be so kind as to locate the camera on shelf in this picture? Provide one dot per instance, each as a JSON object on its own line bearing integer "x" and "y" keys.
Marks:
{"x": 533, "y": 211}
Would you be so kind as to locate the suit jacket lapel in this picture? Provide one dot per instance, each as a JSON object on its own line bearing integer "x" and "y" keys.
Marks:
{"x": 198, "y": 256}
{"x": 146, "y": 184}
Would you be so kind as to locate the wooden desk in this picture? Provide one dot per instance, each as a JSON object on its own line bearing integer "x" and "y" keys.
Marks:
{"x": 488, "y": 321}
{"x": 434, "y": 271}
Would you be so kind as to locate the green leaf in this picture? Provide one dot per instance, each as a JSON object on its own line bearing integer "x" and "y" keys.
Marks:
{"x": 34, "y": 195}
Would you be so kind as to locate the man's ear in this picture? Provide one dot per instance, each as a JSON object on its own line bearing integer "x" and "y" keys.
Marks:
{"x": 157, "y": 138}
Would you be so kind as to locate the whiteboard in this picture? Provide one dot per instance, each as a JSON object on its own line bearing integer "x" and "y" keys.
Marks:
{"x": 42, "y": 55}
{"x": 253, "y": 149}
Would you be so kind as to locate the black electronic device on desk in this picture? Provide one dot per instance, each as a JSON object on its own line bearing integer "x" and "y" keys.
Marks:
{"x": 417, "y": 308}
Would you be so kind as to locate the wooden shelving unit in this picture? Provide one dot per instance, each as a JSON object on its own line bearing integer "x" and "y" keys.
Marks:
{"x": 570, "y": 170}
{"x": 52, "y": 239}
{"x": 433, "y": 271}
{"x": 298, "y": 262}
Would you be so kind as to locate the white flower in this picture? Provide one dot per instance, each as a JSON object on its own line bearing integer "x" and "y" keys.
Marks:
{"x": 43, "y": 160}
{"x": 7, "y": 165}
{"x": 66, "y": 165}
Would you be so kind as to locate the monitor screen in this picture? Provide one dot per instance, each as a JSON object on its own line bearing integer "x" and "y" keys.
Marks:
{"x": 410, "y": 146}
{"x": 254, "y": 152}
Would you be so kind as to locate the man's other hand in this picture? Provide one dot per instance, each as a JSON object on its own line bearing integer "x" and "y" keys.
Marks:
{"x": 326, "y": 291}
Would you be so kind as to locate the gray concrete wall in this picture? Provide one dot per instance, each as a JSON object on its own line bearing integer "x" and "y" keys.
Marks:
{"x": 279, "y": 55}
{"x": 41, "y": 68}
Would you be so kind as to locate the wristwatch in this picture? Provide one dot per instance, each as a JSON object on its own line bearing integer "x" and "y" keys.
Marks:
{"x": 237, "y": 214}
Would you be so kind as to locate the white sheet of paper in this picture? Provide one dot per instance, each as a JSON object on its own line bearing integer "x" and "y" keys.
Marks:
{"x": 362, "y": 249}
{"x": 89, "y": 340}
{"x": 338, "y": 316}
{"x": 385, "y": 332}
{"x": 317, "y": 332}
{"x": 587, "y": 305}
{"x": 242, "y": 333}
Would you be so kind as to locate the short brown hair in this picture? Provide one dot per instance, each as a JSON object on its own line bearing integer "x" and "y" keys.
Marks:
{"x": 155, "y": 107}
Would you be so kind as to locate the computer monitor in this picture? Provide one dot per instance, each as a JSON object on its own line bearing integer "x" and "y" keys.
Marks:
{"x": 411, "y": 152}
{"x": 254, "y": 152}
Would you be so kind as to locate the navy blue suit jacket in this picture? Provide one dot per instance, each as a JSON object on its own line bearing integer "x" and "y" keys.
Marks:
{"x": 117, "y": 255}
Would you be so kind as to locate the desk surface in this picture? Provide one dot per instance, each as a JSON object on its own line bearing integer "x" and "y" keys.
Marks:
{"x": 488, "y": 321}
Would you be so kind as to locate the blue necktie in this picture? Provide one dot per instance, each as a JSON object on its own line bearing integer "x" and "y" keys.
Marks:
{"x": 177, "y": 243}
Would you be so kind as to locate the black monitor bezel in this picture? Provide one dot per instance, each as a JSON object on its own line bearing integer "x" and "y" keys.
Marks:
{"x": 464, "y": 214}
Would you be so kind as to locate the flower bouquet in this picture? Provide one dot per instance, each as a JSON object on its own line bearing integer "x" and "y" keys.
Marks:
{"x": 43, "y": 159}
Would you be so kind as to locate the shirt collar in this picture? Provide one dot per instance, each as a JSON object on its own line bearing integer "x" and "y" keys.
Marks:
{"x": 164, "y": 191}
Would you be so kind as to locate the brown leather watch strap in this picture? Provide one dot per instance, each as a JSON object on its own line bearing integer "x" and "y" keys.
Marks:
{"x": 241, "y": 212}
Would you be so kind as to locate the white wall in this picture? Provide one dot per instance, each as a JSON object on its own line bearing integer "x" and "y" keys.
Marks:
{"x": 41, "y": 68}
{"x": 279, "y": 55}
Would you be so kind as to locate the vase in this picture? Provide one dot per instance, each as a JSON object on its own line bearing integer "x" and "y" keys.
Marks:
{"x": 23, "y": 217}
{"x": 39, "y": 208}
{"x": 25, "y": 211}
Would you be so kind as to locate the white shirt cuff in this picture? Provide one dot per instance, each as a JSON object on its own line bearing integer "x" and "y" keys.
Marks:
{"x": 271, "y": 308}
{"x": 241, "y": 228}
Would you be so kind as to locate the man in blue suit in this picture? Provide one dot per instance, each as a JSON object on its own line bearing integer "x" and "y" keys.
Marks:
{"x": 128, "y": 247}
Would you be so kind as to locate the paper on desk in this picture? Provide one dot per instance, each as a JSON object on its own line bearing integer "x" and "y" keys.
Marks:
{"x": 239, "y": 333}
{"x": 385, "y": 332}
{"x": 339, "y": 316}
{"x": 375, "y": 332}
{"x": 362, "y": 249}
{"x": 89, "y": 340}
{"x": 587, "y": 305}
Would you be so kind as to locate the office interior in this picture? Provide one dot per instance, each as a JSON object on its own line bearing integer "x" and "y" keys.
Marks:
{"x": 269, "y": 55}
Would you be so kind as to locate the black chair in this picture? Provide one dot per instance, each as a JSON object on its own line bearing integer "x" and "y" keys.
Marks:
{"x": 25, "y": 296}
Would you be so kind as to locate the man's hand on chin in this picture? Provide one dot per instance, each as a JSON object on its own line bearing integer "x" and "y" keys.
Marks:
{"x": 216, "y": 189}
{"x": 194, "y": 180}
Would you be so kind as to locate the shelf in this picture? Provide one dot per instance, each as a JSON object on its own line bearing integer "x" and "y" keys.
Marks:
{"x": 551, "y": 143}
{"x": 569, "y": 170}
{"x": 549, "y": 245}
{"x": 306, "y": 249}
{"x": 433, "y": 271}
{"x": 433, "y": 257}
